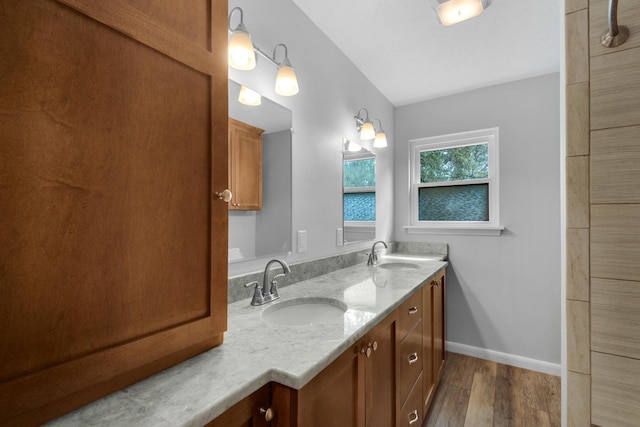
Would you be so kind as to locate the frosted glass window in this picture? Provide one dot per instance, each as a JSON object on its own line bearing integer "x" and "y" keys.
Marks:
{"x": 360, "y": 206}
{"x": 454, "y": 203}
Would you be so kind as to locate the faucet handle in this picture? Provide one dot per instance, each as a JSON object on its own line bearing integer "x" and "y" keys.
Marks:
{"x": 274, "y": 285}
{"x": 258, "y": 298}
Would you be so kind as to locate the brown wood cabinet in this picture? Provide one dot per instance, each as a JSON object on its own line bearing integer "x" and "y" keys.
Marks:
{"x": 267, "y": 407}
{"x": 434, "y": 335}
{"x": 245, "y": 166}
{"x": 114, "y": 246}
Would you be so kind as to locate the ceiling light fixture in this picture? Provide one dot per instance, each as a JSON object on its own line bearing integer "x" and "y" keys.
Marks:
{"x": 249, "y": 97}
{"x": 242, "y": 57}
{"x": 453, "y": 11}
{"x": 364, "y": 125}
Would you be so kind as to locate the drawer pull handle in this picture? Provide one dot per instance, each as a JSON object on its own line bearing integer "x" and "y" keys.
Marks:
{"x": 268, "y": 414}
{"x": 413, "y": 416}
{"x": 413, "y": 310}
{"x": 413, "y": 358}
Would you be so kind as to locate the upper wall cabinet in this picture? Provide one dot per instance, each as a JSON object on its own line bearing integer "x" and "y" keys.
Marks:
{"x": 114, "y": 246}
{"x": 245, "y": 166}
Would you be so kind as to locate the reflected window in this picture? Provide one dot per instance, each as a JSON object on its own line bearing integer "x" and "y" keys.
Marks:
{"x": 360, "y": 189}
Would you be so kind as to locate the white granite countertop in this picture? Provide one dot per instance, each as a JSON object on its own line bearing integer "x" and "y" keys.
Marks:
{"x": 255, "y": 352}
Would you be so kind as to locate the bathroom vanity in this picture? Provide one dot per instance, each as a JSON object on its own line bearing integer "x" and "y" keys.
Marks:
{"x": 381, "y": 356}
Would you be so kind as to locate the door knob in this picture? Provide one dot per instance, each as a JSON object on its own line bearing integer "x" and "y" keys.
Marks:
{"x": 225, "y": 196}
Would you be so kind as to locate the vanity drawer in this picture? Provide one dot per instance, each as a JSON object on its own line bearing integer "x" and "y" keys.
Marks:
{"x": 410, "y": 360}
{"x": 410, "y": 415}
{"x": 410, "y": 312}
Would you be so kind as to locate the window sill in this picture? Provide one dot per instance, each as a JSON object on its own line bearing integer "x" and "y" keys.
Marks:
{"x": 475, "y": 230}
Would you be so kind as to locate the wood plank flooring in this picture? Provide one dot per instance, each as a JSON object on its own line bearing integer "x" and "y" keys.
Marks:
{"x": 480, "y": 393}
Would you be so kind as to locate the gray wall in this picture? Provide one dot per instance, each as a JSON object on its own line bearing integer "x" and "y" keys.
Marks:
{"x": 332, "y": 90}
{"x": 503, "y": 291}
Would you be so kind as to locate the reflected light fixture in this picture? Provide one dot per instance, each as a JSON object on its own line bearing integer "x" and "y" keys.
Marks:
{"x": 249, "y": 97}
{"x": 453, "y": 11}
{"x": 364, "y": 125}
{"x": 241, "y": 50}
{"x": 286, "y": 81}
{"x": 380, "y": 140}
{"x": 352, "y": 146}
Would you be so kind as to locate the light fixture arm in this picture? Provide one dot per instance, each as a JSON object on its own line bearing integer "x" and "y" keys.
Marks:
{"x": 380, "y": 123}
{"x": 285, "y": 60}
{"x": 359, "y": 120}
{"x": 241, "y": 19}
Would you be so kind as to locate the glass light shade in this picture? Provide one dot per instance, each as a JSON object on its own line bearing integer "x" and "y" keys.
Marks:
{"x": 241, "y": 53}
{"x": 367, "y": 131}
{"x": 286, "y": 81}
{"x": 454, "y": 11}
{"x": 353, "y": 147}
{"x": 249, "y": 97}
{"x": 380, "y": 141}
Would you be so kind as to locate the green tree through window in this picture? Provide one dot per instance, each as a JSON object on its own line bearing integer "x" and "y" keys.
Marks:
{"x": 455, "y": 164}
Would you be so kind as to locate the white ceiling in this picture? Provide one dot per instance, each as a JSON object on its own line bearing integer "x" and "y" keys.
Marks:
{"x": 404, "y": 51}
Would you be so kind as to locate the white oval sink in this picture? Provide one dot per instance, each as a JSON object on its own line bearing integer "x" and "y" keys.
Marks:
{"x": 304, "y": 311}
{"x": 398, "y": 265}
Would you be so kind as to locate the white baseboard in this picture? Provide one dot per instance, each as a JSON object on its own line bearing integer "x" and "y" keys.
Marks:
{"x": 505, "y": 358}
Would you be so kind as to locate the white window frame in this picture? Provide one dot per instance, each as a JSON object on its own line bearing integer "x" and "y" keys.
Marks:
{"x": 463, "y": 139}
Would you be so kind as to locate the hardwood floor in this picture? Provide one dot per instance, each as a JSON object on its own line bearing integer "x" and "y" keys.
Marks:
{"x": 477, "y": 393}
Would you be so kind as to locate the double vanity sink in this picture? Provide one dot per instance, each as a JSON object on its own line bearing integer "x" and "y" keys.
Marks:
{"x": 288, "y": 341}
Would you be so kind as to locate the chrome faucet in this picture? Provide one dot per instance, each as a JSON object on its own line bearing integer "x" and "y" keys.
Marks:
{"x": 373, "y": 256}
{"x": 265, "y": 293}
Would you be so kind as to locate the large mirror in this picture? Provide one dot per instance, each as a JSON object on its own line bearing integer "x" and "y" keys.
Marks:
{"x": 358, "y": 193}
{"x": 265, "y": 232}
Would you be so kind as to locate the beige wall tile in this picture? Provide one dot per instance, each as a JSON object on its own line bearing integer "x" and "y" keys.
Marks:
{"x": 578, "y": 192}
{"x": 578, "y": 119}
{"x": 615, "y": 317}
{"x": 574, "y": 5}
{"x": 615, "y": 89}
{"x": 578, "y": 400}
{"x": 615, "y": 165}
{"x": 615, "y": 242}
{"x": 577, "y": 48}
{"x": 578, "y": 347}
{"x": 615, "y": 387}
{"x": 578, "y": 264}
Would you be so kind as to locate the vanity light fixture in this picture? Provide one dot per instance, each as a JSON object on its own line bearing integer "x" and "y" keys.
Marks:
{"x": 352, "y": 146}
{"x": 286, "y": 81}
{"x": 249, "y": 97}
{"x": 364, "y": 125}
{"x": 453, "y": 11}
{"x": 241, "y": 49}
{"x": 242, "y": 57}
{"x": 380, "y": 140}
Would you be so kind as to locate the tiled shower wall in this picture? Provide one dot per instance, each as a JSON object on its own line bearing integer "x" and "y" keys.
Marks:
{"x": 603, "y": 217}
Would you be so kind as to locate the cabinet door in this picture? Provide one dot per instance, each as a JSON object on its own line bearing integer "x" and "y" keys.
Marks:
{"x": 428, "y": 379}
{"x": 335, "y": 397}
{"x": 113, "y": 250}
{"x": 245, "y": 166}
{"x": 439, "y": 326}
{"x": 380, "y": 383}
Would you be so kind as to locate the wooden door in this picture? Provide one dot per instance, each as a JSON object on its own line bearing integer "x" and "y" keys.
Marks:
{"x": 335, "y": 397}
{"x": 380, "y": 377}
{"x": 114, "y": 140}
{"x": 245, "y": 166}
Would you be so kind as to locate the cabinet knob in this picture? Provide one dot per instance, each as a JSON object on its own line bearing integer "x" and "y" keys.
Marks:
{"x": 268, "y": 414}
{"x": 375, "y": 345}
{"x": 225, "y": 196}
{"x": 370, "y": 348}
{"x": 413, "y": 310}
{"x": 412, "y": 358}
{"x": 413, "y": 416}
{"x": 435, "y": 283}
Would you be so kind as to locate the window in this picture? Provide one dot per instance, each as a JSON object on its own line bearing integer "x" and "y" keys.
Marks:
{"x": 359, "y": 190}
{"x": 454, "y": 183}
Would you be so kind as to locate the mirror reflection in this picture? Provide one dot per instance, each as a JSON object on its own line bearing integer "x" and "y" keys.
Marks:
{"x": 260, "y": 211}
{"x": 358, "y": 193}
